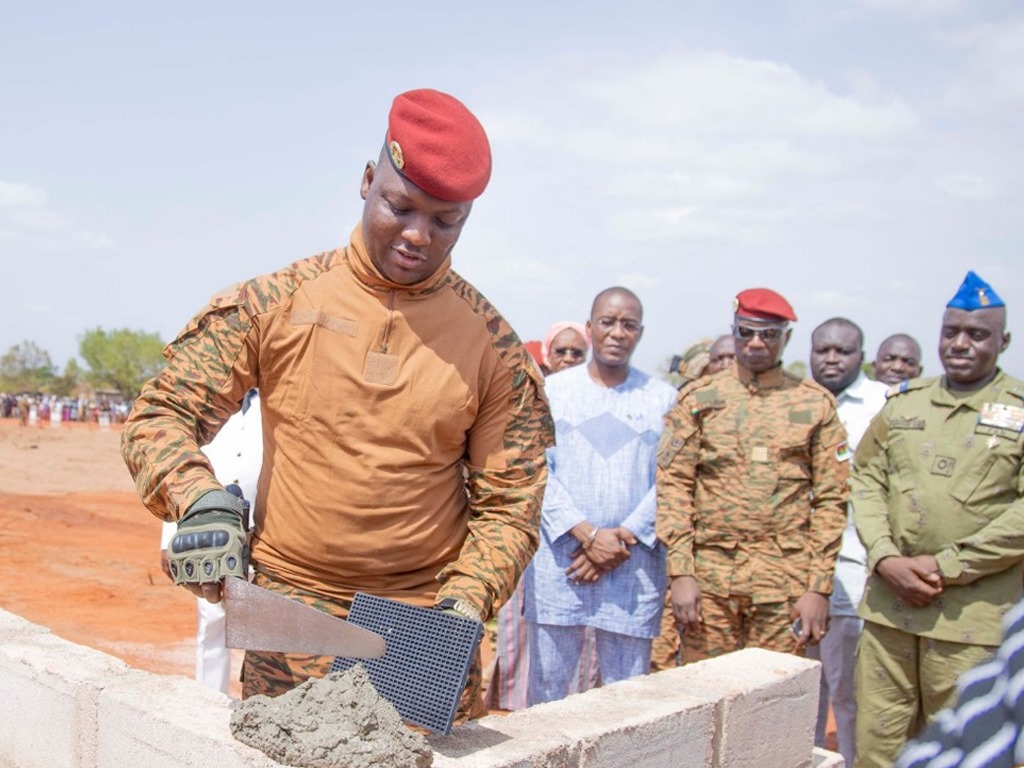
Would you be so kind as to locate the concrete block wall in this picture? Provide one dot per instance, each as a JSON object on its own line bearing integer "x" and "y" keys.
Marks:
{"x": 67, "y": 706}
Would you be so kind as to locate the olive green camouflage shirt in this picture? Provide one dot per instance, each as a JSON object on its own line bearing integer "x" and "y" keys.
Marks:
{"x": 752, "y": 485}
{"x": 943, "y": 475}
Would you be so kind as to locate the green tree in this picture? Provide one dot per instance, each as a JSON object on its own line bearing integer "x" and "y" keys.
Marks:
{"x": 121, "y": 359}
{"x": 65, "y": 384}
{"x": 26, "y": 368}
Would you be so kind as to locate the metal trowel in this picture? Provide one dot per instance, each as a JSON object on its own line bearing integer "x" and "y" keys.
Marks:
{"x": 261, "y": 620}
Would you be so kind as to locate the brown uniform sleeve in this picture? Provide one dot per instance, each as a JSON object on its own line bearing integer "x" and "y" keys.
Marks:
{"x": 507, "y": 472}
{"x": 184, "y": 406}
{"x": 678, "y": 453}
{"x": 830, "y": 470}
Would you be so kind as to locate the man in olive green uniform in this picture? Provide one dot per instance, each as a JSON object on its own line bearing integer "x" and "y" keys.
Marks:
{"x": 752, "y": 475}
{"x": 937, "y": 490}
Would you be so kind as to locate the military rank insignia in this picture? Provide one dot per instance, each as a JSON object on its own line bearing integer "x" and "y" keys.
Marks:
{"x": 397, "y": 156}
{"x": 1002, "y": 416}
{"x": 897, "y": 389}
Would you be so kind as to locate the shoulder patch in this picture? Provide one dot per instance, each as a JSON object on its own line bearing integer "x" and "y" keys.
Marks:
{"x": 908, "y": 385}
{"x": 896, "y": 389}
{"x": 697, "y": 385}
{"x": 800, "y": 416}
{"x": 708, "y": 396}
{"x": 706, "y": 400}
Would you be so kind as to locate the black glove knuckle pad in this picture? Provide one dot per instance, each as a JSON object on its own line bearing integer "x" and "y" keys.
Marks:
{"x": 211, "y": 542}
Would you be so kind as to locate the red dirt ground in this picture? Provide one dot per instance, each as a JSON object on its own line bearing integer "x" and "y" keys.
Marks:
{"x": 79, "y": 553}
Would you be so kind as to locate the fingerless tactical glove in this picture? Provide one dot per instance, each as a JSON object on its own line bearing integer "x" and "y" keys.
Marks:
{"x": 211, "y": 541}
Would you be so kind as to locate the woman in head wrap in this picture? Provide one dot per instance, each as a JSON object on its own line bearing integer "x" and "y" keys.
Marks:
{"x": 565, "y": 345}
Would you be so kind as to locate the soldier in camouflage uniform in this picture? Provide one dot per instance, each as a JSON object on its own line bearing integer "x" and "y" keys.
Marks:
{"x": 752, "y": 473}
{"x": 405, "y": 425}
{"x": 937, "y": 496}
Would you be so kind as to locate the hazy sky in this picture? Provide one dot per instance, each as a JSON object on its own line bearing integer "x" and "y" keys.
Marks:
{"x": 857, "y": 156}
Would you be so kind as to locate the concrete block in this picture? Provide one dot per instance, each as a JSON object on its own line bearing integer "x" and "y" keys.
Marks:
{"x": 169, "y": 722}
{"x": 769, "y": 704}
{"x": 631, "y": 723}
{"x": 822, "y": 758}
{"x": 48, "y": 693}
{"x": 13, "y": 627}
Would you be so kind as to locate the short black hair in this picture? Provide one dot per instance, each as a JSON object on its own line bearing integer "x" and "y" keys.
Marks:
{"x": 616, "y": 289}
{"x": 843, "y": 322}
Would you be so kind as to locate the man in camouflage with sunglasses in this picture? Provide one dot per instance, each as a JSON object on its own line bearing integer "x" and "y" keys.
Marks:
{"x": 752, "y": 489}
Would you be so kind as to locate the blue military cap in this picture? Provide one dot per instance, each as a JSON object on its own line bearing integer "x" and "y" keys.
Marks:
{"x": 975, "y": 293}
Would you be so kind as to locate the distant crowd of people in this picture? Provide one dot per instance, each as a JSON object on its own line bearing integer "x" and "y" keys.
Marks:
{"x": 38, "y": 408}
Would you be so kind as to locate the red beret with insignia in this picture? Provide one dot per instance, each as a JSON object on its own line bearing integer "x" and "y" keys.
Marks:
{"x": 435, "y": 142}
{"x": 762, "y": 304}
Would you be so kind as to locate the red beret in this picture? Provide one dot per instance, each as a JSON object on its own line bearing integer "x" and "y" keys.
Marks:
{"x": 533, "y": 347}
{"x": 762, "y": 304}
{"x": 438, "y": 145}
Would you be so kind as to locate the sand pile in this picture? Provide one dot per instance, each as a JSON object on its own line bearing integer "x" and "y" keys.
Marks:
{"x": 334, "y": 722}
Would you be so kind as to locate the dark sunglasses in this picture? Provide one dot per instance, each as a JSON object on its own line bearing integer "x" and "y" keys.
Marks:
{"x": 746, "y": 333}
{"x": 569, "y": 352}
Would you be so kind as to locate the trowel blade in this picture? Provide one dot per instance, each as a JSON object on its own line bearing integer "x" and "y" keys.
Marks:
{"x": 261, "y": 620}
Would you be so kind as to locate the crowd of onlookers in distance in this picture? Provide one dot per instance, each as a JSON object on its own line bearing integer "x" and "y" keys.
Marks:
{"x": 38, "y": 408}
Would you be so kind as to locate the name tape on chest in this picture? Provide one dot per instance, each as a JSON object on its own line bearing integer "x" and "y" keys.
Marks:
{"x": 1002, "y": 416}
{"x": 906, "y": 423}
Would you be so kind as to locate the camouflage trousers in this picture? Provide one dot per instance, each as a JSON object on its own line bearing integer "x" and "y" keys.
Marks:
{"x": 272, "y": 674}
{"x": 901, "y": 681}
{"x": 735, "y": 622}
{"x": 665, "y": 650}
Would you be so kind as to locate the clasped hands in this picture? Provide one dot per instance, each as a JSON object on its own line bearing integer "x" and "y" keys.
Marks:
{"x": 605, "y": 552}
{"x": 917, "y": 580}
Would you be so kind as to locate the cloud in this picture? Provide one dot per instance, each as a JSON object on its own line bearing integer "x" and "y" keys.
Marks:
{"x": 993, "y": 76}
{"x": 27, "y": 221}
{"x": 703, "y": 146}
{"x": 38, "y": 309}
{"x": 915, "y": 8}
{"x": 20, "y": 196}
{"x": 967, "y": 186}
{"x": 639, "y": 281}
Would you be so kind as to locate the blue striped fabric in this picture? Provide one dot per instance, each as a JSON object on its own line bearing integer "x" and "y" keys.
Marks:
{"x": 984, "y": 728}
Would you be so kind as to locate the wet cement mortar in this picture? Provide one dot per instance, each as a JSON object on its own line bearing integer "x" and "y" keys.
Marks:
{"x": 339, "y": 721}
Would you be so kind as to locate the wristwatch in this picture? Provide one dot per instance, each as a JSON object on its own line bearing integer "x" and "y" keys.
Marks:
{"x": 461, "y": 607}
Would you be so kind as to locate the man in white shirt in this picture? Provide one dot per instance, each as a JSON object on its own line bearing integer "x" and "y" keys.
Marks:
{"x": 837, "y": 357}
{"x": 236, "y": 455}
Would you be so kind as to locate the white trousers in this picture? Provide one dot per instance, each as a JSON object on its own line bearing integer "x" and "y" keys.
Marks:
{"x": 213, "y": 659}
